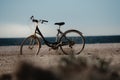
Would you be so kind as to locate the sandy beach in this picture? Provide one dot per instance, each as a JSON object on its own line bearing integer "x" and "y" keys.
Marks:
{"x": 10, "y": 55}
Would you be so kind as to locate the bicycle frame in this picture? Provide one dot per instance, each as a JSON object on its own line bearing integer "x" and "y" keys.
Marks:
{"x": 50, "y": 44}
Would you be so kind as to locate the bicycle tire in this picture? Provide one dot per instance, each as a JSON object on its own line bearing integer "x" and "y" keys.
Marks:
{"x": 30, "y": 45}
{"x": 72, "y": 46}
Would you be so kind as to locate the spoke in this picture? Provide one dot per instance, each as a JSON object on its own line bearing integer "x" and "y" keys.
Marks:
{"x": 74, "y": 42}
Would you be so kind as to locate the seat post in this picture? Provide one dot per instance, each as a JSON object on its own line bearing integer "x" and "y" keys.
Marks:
{"x": 59, "y": 27}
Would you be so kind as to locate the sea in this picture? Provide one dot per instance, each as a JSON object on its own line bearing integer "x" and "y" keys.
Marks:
{"x": 88, "y": 40}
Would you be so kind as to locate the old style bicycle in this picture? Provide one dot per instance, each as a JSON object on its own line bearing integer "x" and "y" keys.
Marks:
{"x": 70, "y": 41}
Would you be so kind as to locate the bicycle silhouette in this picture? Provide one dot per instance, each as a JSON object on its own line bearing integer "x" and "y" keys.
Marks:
{"x": 70, "y": 41}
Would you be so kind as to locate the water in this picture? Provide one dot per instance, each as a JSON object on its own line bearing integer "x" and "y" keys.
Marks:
{"x": 88, "y": 40}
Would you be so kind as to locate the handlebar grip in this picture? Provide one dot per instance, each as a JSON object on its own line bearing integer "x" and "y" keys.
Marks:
{"x": 44, "y": 21}
{"x": 34, "y": 20}
{"x": 32, "y": 17}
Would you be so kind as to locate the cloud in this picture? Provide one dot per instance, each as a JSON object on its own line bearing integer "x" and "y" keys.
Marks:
{"x": 14, "y": 30}
{"x": 20, "y": 30}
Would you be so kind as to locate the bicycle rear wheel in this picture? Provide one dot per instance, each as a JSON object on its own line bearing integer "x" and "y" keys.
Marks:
{"x": 31, "y": 45}
{"x": 72, "y": 41}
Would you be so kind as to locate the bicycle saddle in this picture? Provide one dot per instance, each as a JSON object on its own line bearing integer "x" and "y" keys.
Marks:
{"x": 60, "y": 23}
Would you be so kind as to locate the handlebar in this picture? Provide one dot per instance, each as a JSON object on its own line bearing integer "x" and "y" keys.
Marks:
{"x": 37, "y": 21}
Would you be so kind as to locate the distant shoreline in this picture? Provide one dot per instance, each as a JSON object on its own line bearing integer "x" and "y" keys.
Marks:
{"x": 88, "y": 40}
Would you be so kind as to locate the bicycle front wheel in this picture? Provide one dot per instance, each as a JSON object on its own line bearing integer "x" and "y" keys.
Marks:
{"x": 31, "y": 45}
{"x": 72, "y": 42}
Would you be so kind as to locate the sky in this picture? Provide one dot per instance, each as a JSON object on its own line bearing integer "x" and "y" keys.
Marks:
{"x": 91, "y": 17}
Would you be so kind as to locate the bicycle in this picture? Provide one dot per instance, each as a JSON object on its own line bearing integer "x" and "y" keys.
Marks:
{"x": 70, "y": 41}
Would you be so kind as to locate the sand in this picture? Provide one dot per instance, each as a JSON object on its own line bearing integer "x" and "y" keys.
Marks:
{"x": 10, "y": 55}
